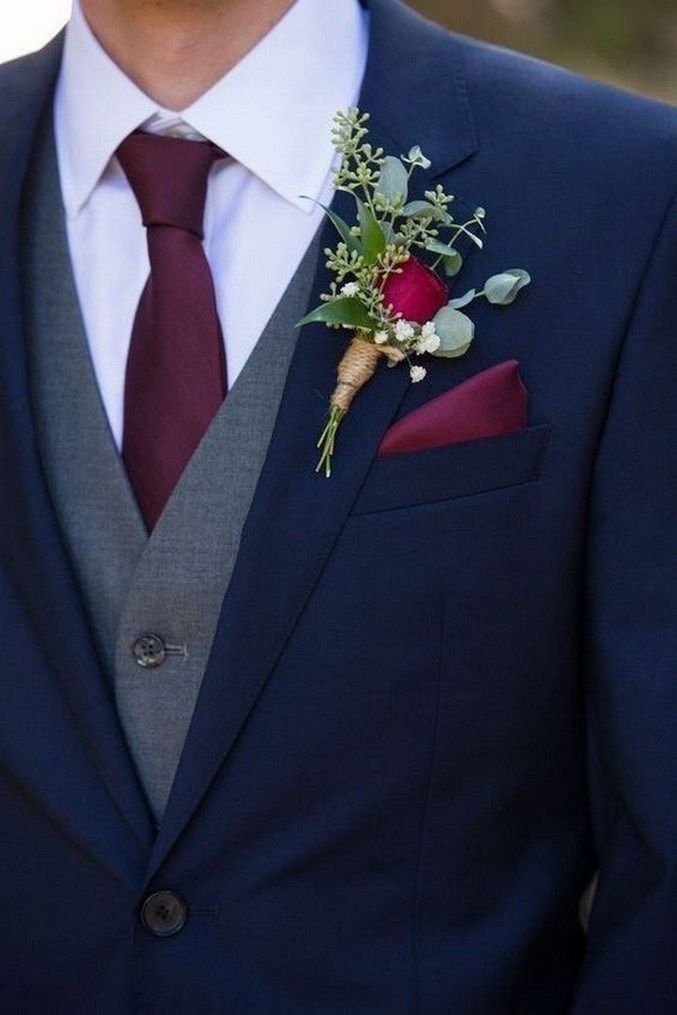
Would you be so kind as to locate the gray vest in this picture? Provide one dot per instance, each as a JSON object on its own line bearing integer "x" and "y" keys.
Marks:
{"x": 171, "y": 584}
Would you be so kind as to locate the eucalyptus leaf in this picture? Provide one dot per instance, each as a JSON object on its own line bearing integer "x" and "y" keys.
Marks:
{"x": 452, "y": 263}
{"x": 454, "y": 353}
{"x": 417, "y": 158}
{"x": 463, "y": 301}
{"x": 373, "y": 237}
{"x": 502, "y": 289}
{"x": 455, "y": 330}
{"x": 345, "y": 310}
{"x": 388, "y": 231}
{"x": 471, "y": 236}
{"x": 419, "y": 210}
{"x": 438, "y": 247}
{"x": 394, "y": 180}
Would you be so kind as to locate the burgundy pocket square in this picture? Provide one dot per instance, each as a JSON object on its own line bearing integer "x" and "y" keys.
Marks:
{"x": 489, "y": 404}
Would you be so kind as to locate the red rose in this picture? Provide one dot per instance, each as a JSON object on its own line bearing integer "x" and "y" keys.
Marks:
{"x": 416, "y": 292}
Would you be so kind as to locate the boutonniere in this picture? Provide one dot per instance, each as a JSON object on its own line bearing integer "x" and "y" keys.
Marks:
{"x": 388, "y": 266}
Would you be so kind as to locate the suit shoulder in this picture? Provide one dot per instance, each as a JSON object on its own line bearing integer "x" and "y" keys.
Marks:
{"x": 540, "y": 114}
{"x": 16, "y": 78}
{"x": 22, "y": 78}
{"x": 586, "y": 119}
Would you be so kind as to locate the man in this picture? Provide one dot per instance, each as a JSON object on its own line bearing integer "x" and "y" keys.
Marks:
{"x": 272, "y": 742}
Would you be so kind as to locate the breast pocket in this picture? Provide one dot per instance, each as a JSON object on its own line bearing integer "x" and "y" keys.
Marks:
{"x": 423, "y": 477}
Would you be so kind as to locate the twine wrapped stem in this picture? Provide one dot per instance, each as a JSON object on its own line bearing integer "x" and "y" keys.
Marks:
{"x": 357, "y": 366}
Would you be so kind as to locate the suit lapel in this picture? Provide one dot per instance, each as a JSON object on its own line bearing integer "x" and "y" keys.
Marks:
{"x": 297, "y": 515}
{"x": 38, "y": 568}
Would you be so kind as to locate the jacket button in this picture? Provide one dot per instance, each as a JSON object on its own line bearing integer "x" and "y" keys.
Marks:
{"x": 164, "y": 914}
{"x": 149, "y": 651}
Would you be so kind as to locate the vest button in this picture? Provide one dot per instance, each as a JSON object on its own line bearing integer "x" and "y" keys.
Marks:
{"x": 149, "y": 651}
{"x": 164, "y": 914}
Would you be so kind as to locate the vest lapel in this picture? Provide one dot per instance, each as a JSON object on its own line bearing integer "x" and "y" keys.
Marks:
{"x": 178, "y": 586}
{"x": 37, "y": 567}
{"x": 297, "y": 515}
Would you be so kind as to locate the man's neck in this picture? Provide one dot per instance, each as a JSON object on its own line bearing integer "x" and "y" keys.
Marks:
{"x": 175, "y": 50}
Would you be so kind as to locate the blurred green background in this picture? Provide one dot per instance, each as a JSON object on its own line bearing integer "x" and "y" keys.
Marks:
{"x": 632, "y": 43}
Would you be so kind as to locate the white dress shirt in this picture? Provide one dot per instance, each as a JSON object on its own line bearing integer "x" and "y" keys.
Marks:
{"x": 272, "y": 113}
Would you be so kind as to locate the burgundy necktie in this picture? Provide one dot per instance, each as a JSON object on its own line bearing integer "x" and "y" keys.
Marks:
{"x": 176, "y": 371}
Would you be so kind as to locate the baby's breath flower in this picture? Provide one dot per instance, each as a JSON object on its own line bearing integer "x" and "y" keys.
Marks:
{"x": 403, "y": 331}
{"x": 417, "y": 374}
{"x": 350, "y": 289}
{"x": 429, "y": 342}
{"x": 381, "y": 337}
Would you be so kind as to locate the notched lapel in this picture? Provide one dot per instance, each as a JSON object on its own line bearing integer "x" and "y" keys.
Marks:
{"x": 297, "y": 514}
{"x": 38, "y": 568}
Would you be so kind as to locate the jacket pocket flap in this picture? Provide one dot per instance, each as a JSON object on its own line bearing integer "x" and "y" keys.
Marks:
{"x": 421, "y": 477}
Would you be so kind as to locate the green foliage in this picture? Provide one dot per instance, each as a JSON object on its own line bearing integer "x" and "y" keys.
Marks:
{"x": 346, "y": 310}
{"x": 393, "y": 183}
{"x": 503, "y": 288}
{"x": 463, "y": 301}
{"x": 455, "y": 331}
{"x": 371, "y": 233}
{"x": 389, "y": 232}
{"x": 391, "y": 229}
{"x": 341, "y": 226}
{"x": 437, "y": 247}
{"x": 419, "y": 209}
{"x": 452, "y": 262}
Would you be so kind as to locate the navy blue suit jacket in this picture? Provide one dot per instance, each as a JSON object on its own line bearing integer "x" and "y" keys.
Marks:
{"x": 443, "y": 689}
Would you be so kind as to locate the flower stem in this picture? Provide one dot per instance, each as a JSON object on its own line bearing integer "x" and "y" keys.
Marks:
{"x": 327, "y": 439}
{"x": 357, "y": 366}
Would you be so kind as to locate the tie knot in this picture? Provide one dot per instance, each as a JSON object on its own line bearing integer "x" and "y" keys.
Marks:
{"x": 169, "y": 178}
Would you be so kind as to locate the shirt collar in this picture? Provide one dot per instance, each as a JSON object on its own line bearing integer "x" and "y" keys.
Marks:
{"x": 272, "y": 112}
